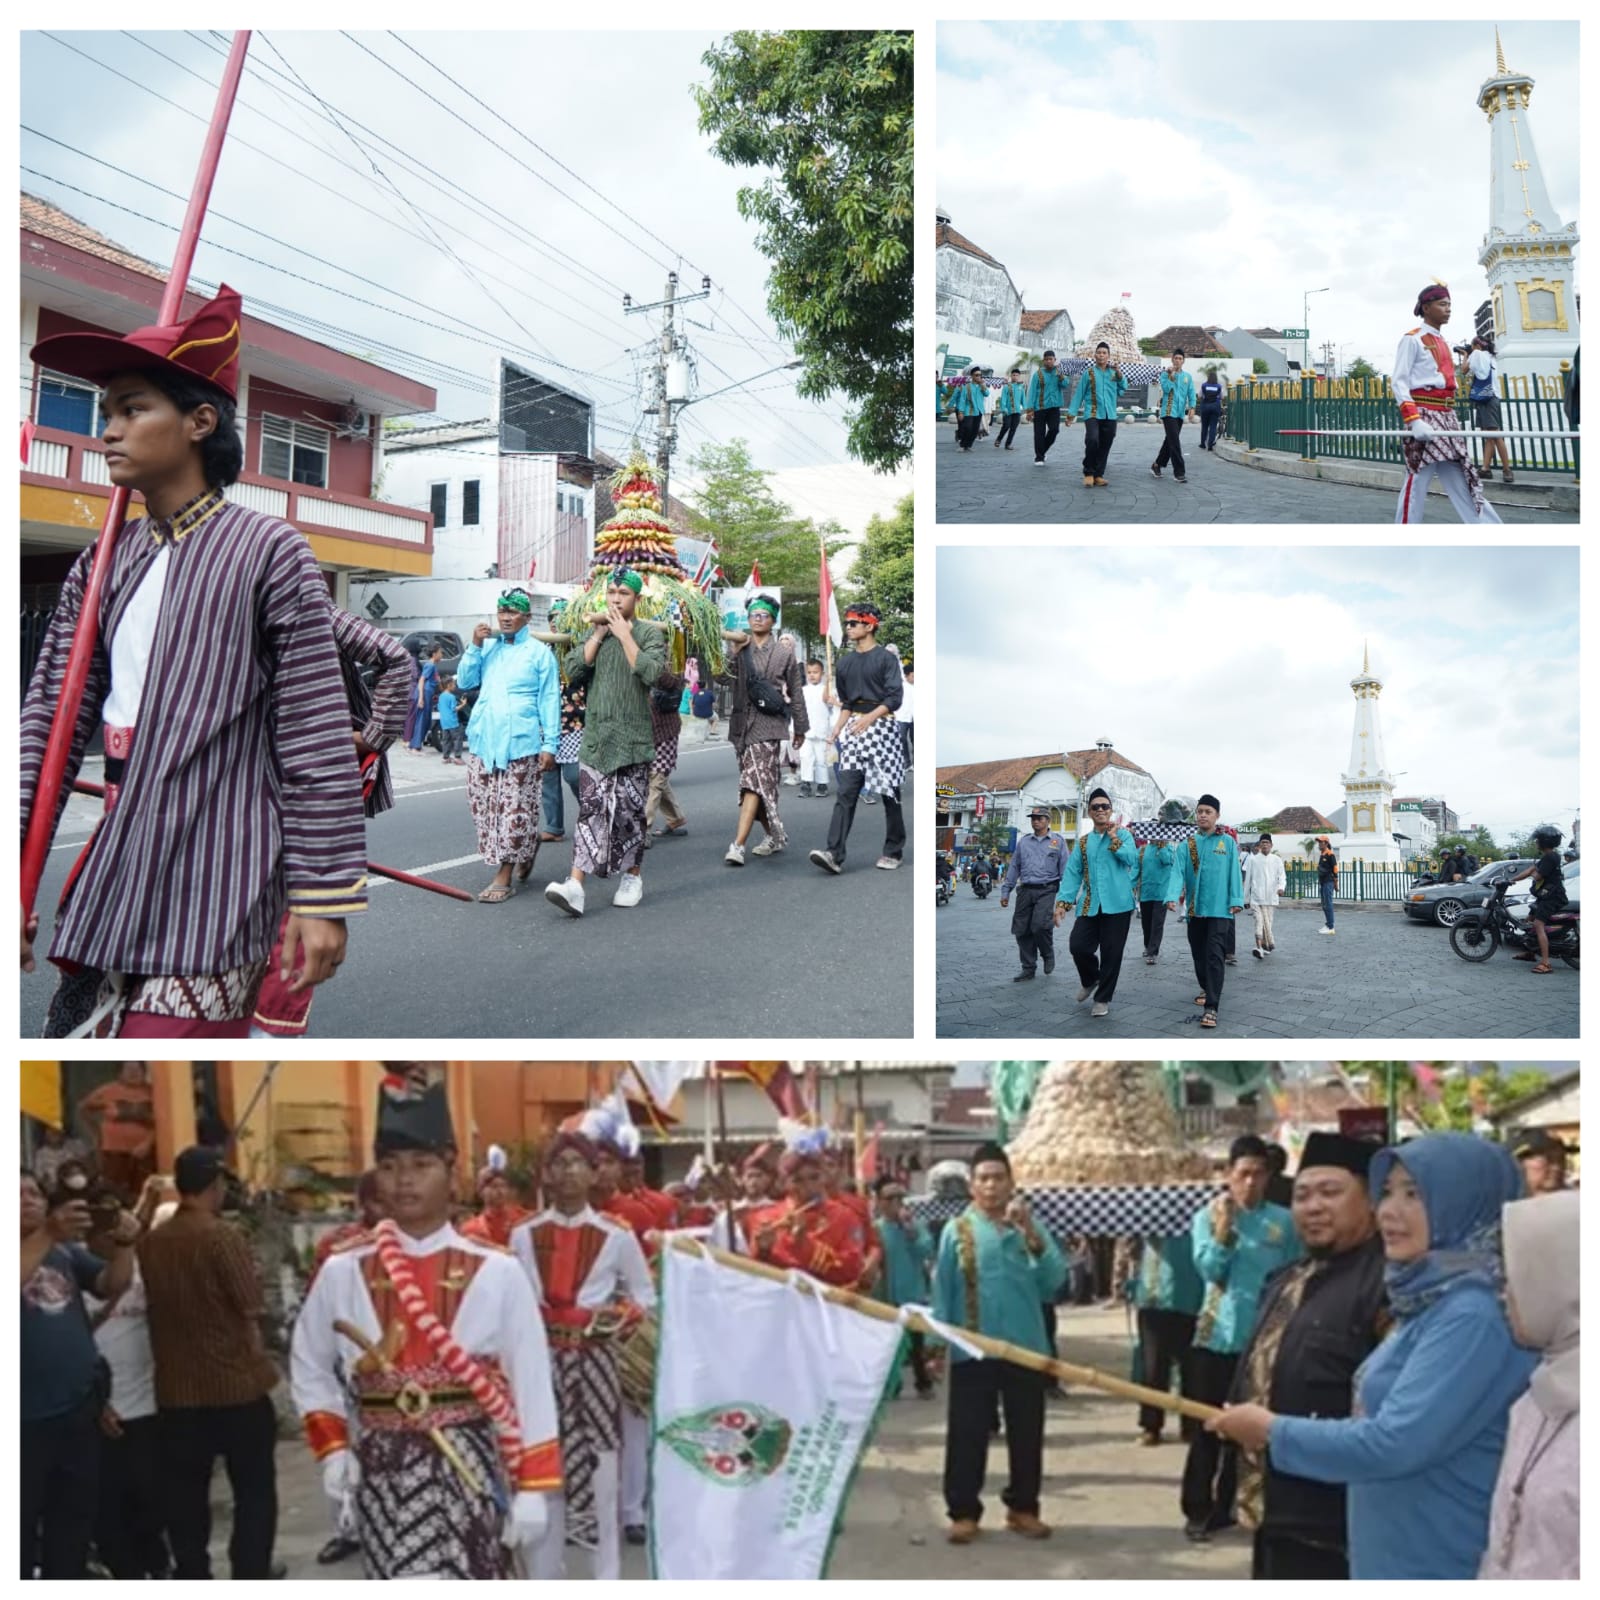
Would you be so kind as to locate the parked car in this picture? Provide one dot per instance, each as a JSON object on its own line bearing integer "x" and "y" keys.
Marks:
{"x": 1520, "y": 898}
{"x": 1443, "y": 903}
{"x": 420, "y": 643}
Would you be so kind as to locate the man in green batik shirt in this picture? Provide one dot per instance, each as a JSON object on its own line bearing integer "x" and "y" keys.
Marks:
{"x": 907, "y": 1254}
{"x": 616, "y": 666}
{"x": 1214, "y": 889}
{"x": 995, "y": 1271}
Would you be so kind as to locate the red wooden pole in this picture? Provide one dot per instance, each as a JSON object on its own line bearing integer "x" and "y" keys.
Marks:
{"x": 41, "y": 815}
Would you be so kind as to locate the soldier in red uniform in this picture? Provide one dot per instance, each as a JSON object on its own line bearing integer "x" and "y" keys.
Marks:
{"x": 859, "y": 1207}
{"x": 661, "y": 1205}
{"x": 500, "y": 1213}
{"x": 807, "y": 1230}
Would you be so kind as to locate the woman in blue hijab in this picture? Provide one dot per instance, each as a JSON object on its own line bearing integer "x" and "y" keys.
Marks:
{"x": 1420, "y": 1455}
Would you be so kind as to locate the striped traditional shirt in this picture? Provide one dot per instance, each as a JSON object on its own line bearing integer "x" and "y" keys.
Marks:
{"x": 377, "y": 713}
{"x": 616, "y": 729}
{"x": 241, "y": 793}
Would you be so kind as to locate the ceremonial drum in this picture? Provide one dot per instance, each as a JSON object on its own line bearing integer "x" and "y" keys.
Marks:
{"x": 636, "y": 1363}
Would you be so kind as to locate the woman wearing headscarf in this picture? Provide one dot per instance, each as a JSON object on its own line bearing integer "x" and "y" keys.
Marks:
{"x": 1420, "y": 1454}
{"x": 1533, "y": 1522}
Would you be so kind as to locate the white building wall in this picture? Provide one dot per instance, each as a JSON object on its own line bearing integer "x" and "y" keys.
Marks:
{"x": 459, "y": 551}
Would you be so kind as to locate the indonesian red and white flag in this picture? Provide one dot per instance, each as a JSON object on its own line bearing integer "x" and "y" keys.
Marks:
{"x": 832, "y": 625}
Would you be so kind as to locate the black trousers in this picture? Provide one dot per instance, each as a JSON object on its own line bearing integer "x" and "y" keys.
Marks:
{"x": 1153, "y": 917}
{"x": 1098, "y": 437}
{"x": 1210, "y": 420}
{"x": 1231, "y": 947}
{"x": 846, "y": 792}
{"x": 1046, "y": 425}
{"x": 1096, "y": 949}
{"x": 60, "y": 1471}
{"x": 1032, "y": 922}
{"x": 1211, "y": 1470}
{"x": 1172, "y": 446}
{"x": 1208, "y": 944}
{"x": 1008, "y": 428}
{"x": 967, "y": 431}
{"x": 1275, "y": 1555}
{"x": 130, "y": 1530}
{"x": 192, "y": 1437}
{"x": 921, "y": 1372}
{"x": 1165, "y": 1338}
{"x": 975, "y": 1386}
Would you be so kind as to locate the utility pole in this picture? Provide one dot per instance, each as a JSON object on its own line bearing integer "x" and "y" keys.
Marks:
{"x": 666, "y": 359}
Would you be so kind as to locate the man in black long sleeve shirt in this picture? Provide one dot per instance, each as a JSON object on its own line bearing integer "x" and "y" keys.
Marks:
{"x": 871, "y": 756}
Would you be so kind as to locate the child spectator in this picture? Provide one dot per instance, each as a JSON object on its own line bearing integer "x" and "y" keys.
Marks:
{"x": 450, "y": 736}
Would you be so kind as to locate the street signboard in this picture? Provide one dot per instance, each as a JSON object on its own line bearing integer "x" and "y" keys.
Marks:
{"x": 1408, "y": 805}
{"x": 1297, "y": 333}
{"x": 981, "y": 806}
{"x": 955, "y": 364}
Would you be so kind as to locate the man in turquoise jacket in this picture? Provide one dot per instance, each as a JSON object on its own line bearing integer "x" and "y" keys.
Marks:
{"x": 1160, "y": 884}
{"x": 1102, "y": 870}
{"x": 1177, "y": 402}
{"x": 996, "y": 1269}
{"x": 1098, "y": 391}
{"x": 1214, "y": 888}
{"x": 1046, "y": 392}
{"x": 967, "y": 404}
{"x": 1166, "y": 1292}
{"x": 1239, "y": 1239}
{"x": 907, "y": 1254}
{"x": 1009, "y": 405}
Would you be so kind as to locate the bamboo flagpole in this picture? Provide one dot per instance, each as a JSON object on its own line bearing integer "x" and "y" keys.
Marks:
{"x": 53, "y": 768}
{"x": 998, "y": 1349}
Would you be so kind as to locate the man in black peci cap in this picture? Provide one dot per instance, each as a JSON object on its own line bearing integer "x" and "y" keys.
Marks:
{"x": 1319, "y": 1320}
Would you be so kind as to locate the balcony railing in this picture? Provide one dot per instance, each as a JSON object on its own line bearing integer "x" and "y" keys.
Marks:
{"x": 74, "y": 461}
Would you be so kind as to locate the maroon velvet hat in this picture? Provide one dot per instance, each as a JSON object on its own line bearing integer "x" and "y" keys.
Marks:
{"x": 205, "y": 347}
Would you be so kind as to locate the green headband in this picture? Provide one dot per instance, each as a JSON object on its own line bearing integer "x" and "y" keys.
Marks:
{"x": 515, "y": 600}
{"x": 557, "y": 605}
{"x": 627, "y": 578}
{"x": 761, "y": 603}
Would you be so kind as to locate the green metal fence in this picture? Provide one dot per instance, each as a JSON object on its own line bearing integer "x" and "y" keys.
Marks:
{"x": 1257, "y": 410}
{"x": 1357, "y": 881}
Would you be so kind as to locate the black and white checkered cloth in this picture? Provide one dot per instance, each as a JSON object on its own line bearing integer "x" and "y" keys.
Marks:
{"x": 1152, "y": 829}
{"x": 1095, "y": 1209}
{"x": 1133, "y": 372}
{"x": 878, "y": 753}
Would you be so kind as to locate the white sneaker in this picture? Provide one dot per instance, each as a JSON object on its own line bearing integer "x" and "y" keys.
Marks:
{"x": 766, "y": 848}
{"x": 735, "y": 855}
{"x": 630, "y": 891}
{"x": 568, "y": 896}
{"x": 790, "y": 781}
{"x": 1325, "y": 930}
{"x": 1101, "y": 1009}
{"x": 1087, "y": 990}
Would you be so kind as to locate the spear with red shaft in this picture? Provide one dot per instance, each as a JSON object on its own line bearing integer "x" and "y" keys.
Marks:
{"x": 52, "y": 770}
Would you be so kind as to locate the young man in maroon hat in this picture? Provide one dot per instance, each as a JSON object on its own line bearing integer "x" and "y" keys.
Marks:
{"x": 232, "y": 791}
{"x": 871, "y": 755}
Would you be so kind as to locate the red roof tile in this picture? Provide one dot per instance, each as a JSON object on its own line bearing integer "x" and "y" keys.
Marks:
{"x": 948, "y": 235}
{"x": 41, "y": 217}
{"x": 1301, "y": 819}
{"x": 1038, "y": 321}
{"x": 1015, "y": 771}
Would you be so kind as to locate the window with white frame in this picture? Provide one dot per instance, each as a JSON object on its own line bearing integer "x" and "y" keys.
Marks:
{"x": 295, "y": 451}
{"x": 68, "y": 404}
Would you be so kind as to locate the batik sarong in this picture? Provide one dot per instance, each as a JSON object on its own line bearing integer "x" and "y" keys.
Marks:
{"x": 758, "y": 775}
{"x": 1448, "y": 444}
{"x": 589, "y": 1403}
{"x": 610, "y": 833}
{"x": 878, "y": 754}
{"x": 90, "y": 1004}
{"x": 416, "y": 1517}
{"x": 505, "y": 810}
{"x": 665, "y": 728}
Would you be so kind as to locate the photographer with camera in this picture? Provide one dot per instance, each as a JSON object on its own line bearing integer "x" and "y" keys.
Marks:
{"x": 65, "y": 1382}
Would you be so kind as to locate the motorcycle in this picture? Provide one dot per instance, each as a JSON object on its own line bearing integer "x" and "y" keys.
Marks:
{"x": 982, "y": 883}
{"x": 1481, "y": 930}
{"x": 944, "y": 892}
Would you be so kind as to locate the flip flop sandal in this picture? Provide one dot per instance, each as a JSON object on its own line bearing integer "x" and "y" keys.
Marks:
{"x": 1209, "y": 1020}
{"x": 1543, "y": 967}
{"x": 551, "y": 838}
{"x": 1199, "y": 999}
{"x": 496, "y": 894}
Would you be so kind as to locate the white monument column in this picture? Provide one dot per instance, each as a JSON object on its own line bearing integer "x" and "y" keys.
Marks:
{"x": 1368, "y": 785}
{"x": 1527, "y": 252}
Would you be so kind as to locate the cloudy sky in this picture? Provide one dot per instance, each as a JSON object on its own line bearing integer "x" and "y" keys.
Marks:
{"x": 556, "y": 248}
{"x": 1228, "y": 669}
{"x": 1219, "y": 169}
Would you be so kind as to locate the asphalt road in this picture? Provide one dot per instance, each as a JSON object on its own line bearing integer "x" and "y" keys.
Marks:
{"x": 1379, "y": 976}
{"x": 990, "y": 485}
{"x": 772, "y": 949}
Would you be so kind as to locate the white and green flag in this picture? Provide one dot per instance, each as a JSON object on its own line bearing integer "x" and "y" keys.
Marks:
{"x": 765, "y": 1398}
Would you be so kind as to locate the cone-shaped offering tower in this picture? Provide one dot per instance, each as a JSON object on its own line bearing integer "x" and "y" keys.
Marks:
{"x": 1116, "y": 328}
{"x": 639, "y": 537}
{"x": 1103, "y": 1122}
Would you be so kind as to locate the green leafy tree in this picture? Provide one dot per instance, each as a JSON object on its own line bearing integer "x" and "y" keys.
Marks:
{"x": 991, "y": 834}
{"x": 1362, "y": 368}
{"x": 1479, "y": 843}
{"x": 752, "y": 526}
{"x": 829, "y": 113}
{"x": 884, "y": 573}
{"x": 1461, "y": 1093}
{"x": 1259, "y": 364}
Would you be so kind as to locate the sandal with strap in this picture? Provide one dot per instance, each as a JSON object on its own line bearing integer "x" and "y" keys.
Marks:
{"x": 1543, "y": 966}
{"x": 1209, "y": 1020}
{"x": 1199, "y": 999}
{"x": 496, "y": 894}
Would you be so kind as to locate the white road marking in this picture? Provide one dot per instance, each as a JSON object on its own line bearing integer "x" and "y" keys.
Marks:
{"x": 427, "y": 871}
